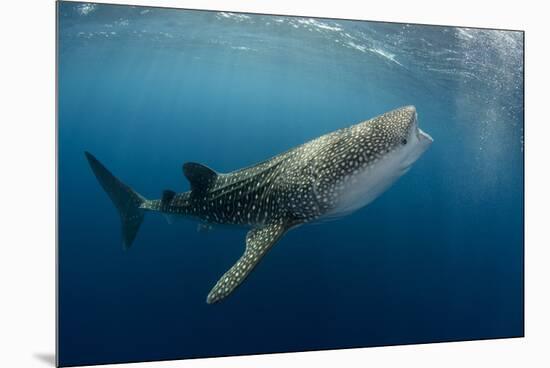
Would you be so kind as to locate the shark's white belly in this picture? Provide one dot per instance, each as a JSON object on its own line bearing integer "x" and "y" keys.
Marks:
{"x": 365, "y": 186}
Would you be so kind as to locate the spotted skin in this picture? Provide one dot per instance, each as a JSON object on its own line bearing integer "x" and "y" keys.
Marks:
{"x": 327, "y": 177}
{"x": 258, "y": 242}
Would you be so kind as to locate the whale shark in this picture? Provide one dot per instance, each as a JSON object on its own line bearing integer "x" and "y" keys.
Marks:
{"x": 325, "y": 178}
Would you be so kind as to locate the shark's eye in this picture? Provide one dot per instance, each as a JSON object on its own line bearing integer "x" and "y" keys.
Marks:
{"x": 404, "y": 141}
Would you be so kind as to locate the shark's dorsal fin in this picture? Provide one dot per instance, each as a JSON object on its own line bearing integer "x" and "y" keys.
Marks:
{"x": 167, "y": 196}
{"x": 199, "y": 176}
{"x": 258, "y": 241}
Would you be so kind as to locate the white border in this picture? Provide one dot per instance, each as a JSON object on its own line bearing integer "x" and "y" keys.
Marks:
{"x": 28, "y": 183}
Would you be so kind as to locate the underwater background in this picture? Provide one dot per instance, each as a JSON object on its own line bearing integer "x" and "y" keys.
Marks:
{"x": 438, "y": 257}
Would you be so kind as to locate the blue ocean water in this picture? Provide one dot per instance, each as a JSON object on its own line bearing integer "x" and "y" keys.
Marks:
{"x": 439, "y": 257}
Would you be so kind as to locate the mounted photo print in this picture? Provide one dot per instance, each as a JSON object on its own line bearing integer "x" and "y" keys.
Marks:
{"x": 234, "y": 183}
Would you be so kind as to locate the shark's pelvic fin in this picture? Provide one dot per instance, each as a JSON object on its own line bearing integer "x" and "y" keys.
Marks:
{"x": 169, "y": 219}
{"x": 258, "y": 242}
{"x": 125, "y": 199}
{"x": 204, "y": 227}
{"x": 200, "y": 176}
{"x": 167, "y": 196}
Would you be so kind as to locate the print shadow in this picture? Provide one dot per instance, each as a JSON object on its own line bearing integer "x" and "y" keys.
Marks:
{"x": 47, "y": 358}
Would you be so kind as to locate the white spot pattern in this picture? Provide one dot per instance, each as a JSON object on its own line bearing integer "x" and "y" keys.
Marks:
{"x": 295, "y": 187}
{"x": 258, "y": 242}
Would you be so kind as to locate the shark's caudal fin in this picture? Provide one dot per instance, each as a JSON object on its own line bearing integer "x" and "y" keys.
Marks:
{"x": 125, "y": 199}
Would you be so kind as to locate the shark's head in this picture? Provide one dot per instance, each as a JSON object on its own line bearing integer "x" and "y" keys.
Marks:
{"x": 367, "y": 158}
{"x": 395, "y": 135}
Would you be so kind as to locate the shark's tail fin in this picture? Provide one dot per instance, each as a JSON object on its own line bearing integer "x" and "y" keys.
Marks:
{"x": 125, "y": 199}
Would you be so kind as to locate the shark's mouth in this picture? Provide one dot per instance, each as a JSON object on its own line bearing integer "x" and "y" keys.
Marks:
{"x": 423, "y": 136}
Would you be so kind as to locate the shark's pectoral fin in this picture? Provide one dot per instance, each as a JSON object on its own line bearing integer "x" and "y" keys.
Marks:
{"x": 258, "y": 242}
